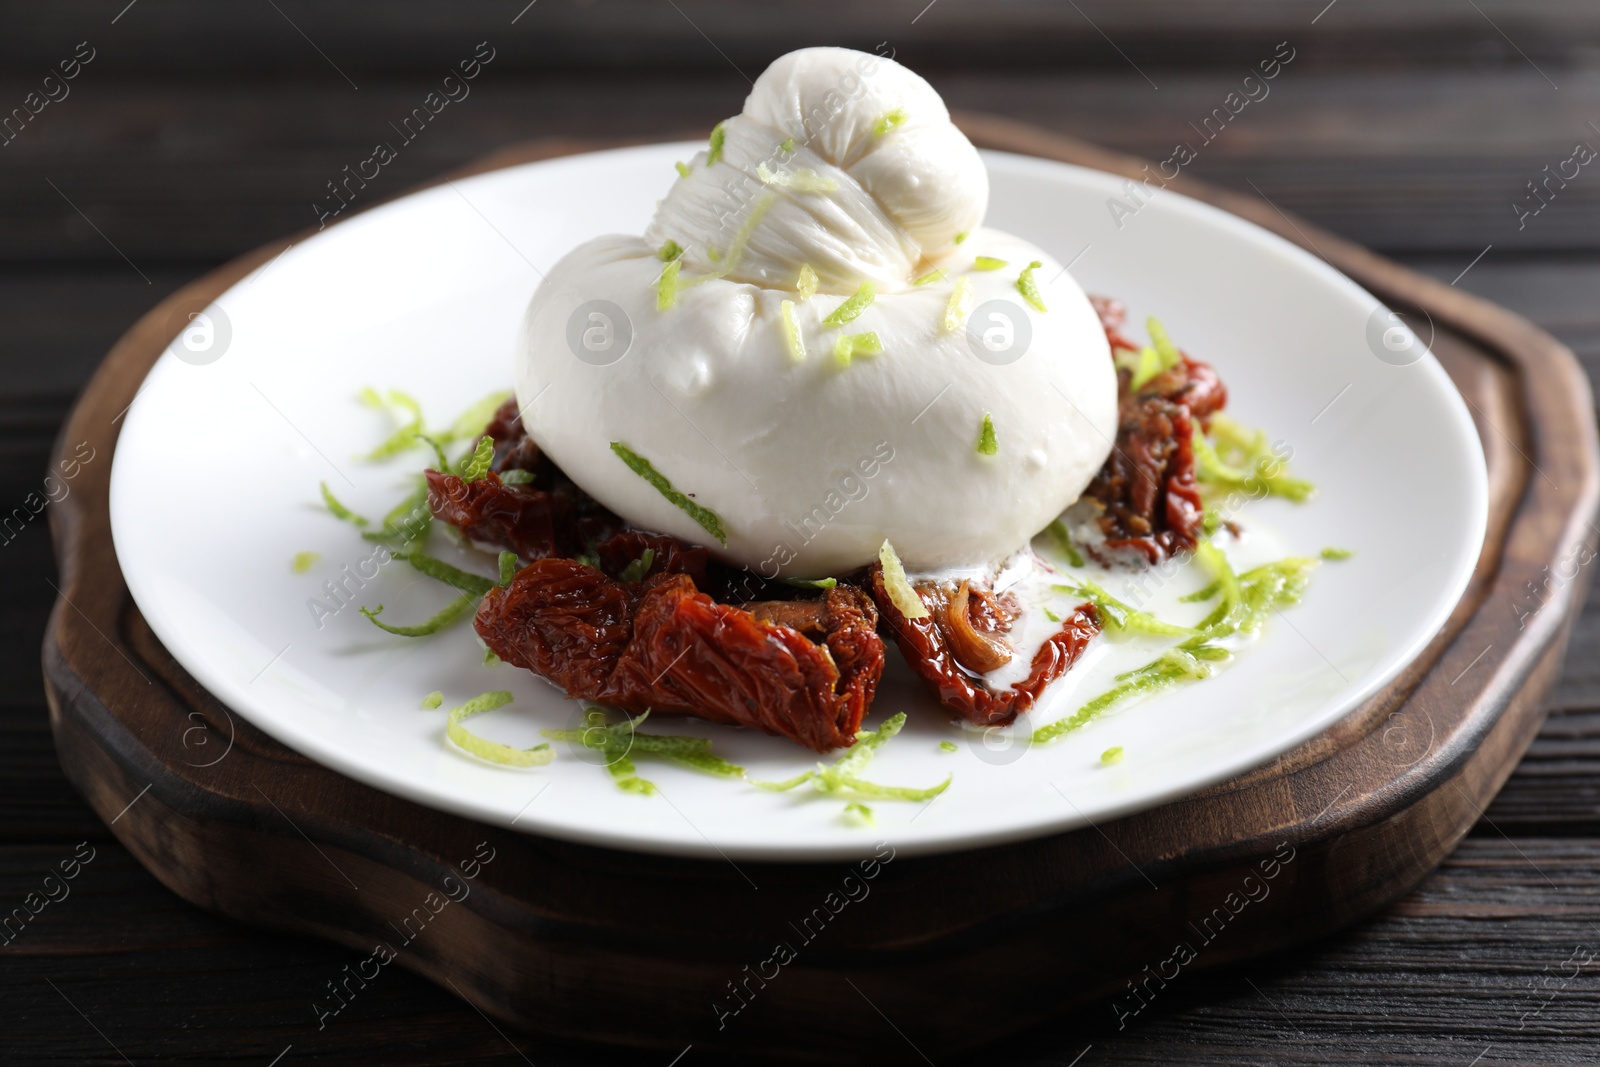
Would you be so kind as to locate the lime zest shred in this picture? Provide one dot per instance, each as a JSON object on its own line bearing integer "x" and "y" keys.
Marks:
{"x": 719, "y": 136}
{"x": 858, "y": 814}
{"x": 490, "y": 659}
{"x": 304, "y": 561}
{"x": 988, "y": 263}
{"x": 459, "y": 608}
{"x": 811, "y": 583}
{"x": 741, "y": 239}
{"x": 476, "y": 463}
{"x": 406, "y": 521}
{"x": 620, "y": 741}
{"x": 470, "y": 422}
{"x": 482, "y": 747}
{"x": 1029, "y": 288}
{"x": 1111, "y": 755}
{"x": 901, "y": 593}
{"x": 1243, "y": 460}
{"x": 806, "y": 285}
{"x": 844, "y": 350}
{"x": 853, "y": 305}
{"x": 961, "y": 237}
{"x": 891, "y": 120}
{"x": 1170, "y": 356}
{"x": 786, "y": 146}
{"x": 988, "y": 443}
{"x": 338, "y": 510}
{"x": 936, "y": 275}
{"x": 1118, "y": 619}
{"x": 1279, "y": 584}
{"x": 635, "y": 571}
{"x": 959, "y": 309}
{"x": 1063, "y": 538}
{"x": 792, "y": 337}
{"x": 1225, "y": 618}
{"x": 851, "y": 345}
{"x": 474, "y": 585}
{"x": 432, "y": 700}
{"x": 508, "y": 568}
{"x": 667, "y": 285}
{"x": 709, "y": 520}
{"x": 441, "y": 461}
{"x": 1146, "y": 366}
{"x": 843, "y": 774}
{"x": 713, "y": 255}
{"x": 516, "y": 477}
{"x": 1156, "y": 358}
{"x": 1244, "y": 602}
{"x": 405, "y": 437}
{"x": 1336, "y": 553}
{"x": 948, "y": 746}
{"x": 1052, "y": 616}
{"x": 801, "y": 181}
{"x": 683, "y": 169}
{"x": 1169, "y": 669}
{"x": 669, "y": 251}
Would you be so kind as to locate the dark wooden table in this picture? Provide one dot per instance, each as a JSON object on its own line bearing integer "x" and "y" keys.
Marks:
{"x": 199, "y": 130}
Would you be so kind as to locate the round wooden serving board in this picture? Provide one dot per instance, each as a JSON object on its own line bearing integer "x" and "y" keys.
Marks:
{"x": 877, "y": 961}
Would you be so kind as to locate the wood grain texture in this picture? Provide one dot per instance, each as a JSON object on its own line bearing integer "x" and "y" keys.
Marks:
{"x": 1472, "y": 958}
{"x": 1382, "y": 157}
{"x": 539, "y": 941}
{"x": 373, "y": 36}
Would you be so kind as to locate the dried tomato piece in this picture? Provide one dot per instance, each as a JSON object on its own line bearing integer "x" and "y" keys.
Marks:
{"x": 531, "y": 521}
{"x": 1203, "y": 392}
{"x": 1113, "y": 313}
{"x": 1145, "y": 501}
{"x": 550, "y": 516}
{"x": 927, "y": 646}
{"x": 513, "y": 448}
{"x": 671, "y": 556}
{"x": 666, "y": 647}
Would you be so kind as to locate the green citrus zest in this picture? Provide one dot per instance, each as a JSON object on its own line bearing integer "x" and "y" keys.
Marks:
{"x": 851, "y": 345}
{"x": 959, "y": 308}
{"x": 482, "y": 747}
{"x": 792, "y": 338}
{"x": 853, "y": 306}
{"x": 899, "y": 588}
{"x": 338, "y": 510}
{"x": 709, "y": 520}
{"x": 1029, "y": 288}
{"x": 843, "y": 774}
{"x": 892, "y": 120}
{"x": 667, "y": 285}
{"x": 988, "y": 443}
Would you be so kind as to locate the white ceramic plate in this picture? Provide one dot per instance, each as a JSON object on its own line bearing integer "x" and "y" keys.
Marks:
{"x": 425, "y": 294}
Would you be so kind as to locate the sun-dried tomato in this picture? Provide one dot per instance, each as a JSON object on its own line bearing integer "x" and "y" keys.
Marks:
{"x": 664, "y": 646}
{"x": 668, "y": 555}
{"x": 533, "y": 522}
{"x": 927, "y": 646}
{"x": 549, "y": 516}
{"x": 1145, "y": 498}
{"x": 1113, "y": 313}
